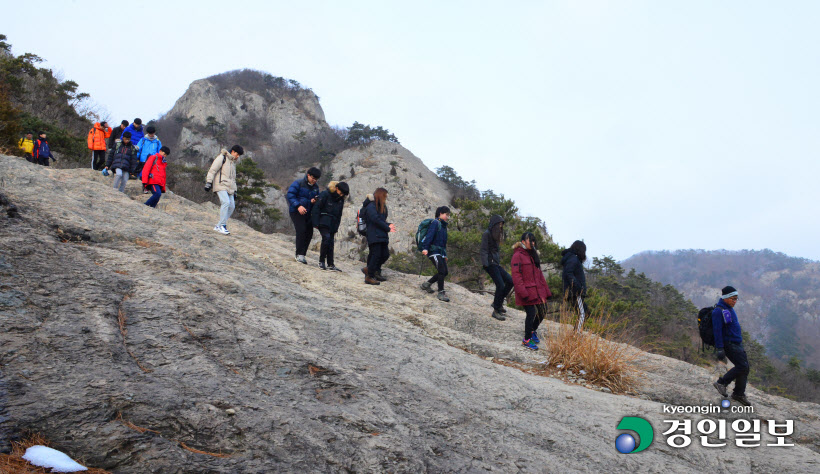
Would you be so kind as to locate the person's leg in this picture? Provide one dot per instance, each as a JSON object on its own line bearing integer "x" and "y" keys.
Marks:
{"x": 298, "y": 225}
{"x": 308, "y": 233}
{"x": 442, "y": 272}
{"x": 125, "y": 176}
{"x": 231, "y": 206}
{"x": 381, "y": 250}
{"x": 156, "y": 194}
{"x": 529, "y": 321}
{"x": 118, "y": 179}
{"x": 99, "y": 159}
{"x": 323, "y": 249}
{"x": 225, "y": 204}
{"x": 373, "y": 259}
{"x": 540, "y": 314}
{"x": 495, "y": 275}
{"x": 434, "y": 260}
{"x": 331, "y": 242}
{"x": 740, "y": 372}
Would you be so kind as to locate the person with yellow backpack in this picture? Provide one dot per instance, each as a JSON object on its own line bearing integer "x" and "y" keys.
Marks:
{"x": 96, "y": 143}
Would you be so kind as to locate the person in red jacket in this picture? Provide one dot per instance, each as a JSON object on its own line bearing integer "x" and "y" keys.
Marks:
{"x": 531, "y": 290}
{"x": 153, "y": 175}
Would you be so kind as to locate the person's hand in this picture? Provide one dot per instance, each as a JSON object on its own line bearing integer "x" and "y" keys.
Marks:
{"x": 721, "y": 355}
{"x": 424, "y": 252}
{"x": 313, "y": 201}
{"x": 208, "y": 186}
{"x": 392, "y": 227}
{"x": 302, "y": 210}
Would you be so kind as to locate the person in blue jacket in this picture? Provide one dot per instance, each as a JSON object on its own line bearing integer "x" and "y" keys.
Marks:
{"x": 301, "y": 196}
{"x": 148, "y": 145}
{"x": 41, "y": 151}
{"x": 729, "y": 344}
{"x": 137, "y": 132}
{"x": 434, "y": 247}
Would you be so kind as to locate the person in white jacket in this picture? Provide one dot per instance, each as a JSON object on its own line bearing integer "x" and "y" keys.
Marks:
{"x": 221, "y": 179}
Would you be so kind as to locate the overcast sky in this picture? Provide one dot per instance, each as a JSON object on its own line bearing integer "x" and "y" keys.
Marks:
{"x": 633, "y": 125}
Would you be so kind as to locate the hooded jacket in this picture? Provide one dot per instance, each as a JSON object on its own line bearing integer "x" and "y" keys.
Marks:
{"x": 725, "y": 332}
{"x": 435, "y": 241}
{"x": 530, "y": 284}
{"x": 26, "y": 144}
{"x": 122, "y": 157}
{"x": 327, "y": 211}
{"x": 97, "y": 136}
{"x": 573, "y": 277}
{"x": 136, "y": 135}
{"x": 148, "y": 147}
{"x": 300, "y": 193}
{"x": 223, "y": 173}
{"x": 490, "y": 252}
{"x": 377, "y": 226}
{"x": 154, "y": 171}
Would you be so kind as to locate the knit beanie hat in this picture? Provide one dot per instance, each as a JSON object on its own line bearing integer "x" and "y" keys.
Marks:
{"x": 728, "y": 292}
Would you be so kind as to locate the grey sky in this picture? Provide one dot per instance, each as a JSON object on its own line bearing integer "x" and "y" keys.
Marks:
{"x": 633, "y": 125}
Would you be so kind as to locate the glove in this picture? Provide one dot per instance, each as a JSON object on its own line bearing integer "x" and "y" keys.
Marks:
{"x": 721, "y": 355}
{"x": 208, "y": 186}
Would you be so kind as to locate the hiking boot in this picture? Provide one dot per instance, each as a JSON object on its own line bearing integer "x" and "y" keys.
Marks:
{"x": 442, "y": 296}
{"x": 364, "y": 270}
{"x": 742, "y": 400}
{"x": 501, "y": 309}
{"x": 334, "y": 268}
{"x": 322, "y": 265}
{"x": 371, "y": 281}
{"x": 301, "y": 259}
{"x": 426, "y": 286}
{"x": 499, "y": 316}
{"x": 721, "y": 388}
{"x": 378, "y": 276}
{"x": 534, "y": 338}
{"x": 528, "y": 344}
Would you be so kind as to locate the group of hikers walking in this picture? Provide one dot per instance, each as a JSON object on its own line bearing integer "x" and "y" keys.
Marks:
{"x": 134, "y": 152}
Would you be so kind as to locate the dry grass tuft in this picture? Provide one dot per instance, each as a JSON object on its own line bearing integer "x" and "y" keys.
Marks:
{"x": 15, "y": 464}
{"x": 599, "y": 350}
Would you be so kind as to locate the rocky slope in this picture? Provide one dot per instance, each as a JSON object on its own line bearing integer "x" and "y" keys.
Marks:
{"x": 138, "y": 340}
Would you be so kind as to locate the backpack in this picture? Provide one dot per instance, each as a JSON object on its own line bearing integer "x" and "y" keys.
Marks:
{"x": 707, "y": 334}
{"x": 421, "y": 233}
{"x": 361, "y": 225}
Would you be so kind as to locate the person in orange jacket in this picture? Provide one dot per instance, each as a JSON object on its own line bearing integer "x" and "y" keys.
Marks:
{"x": 96, "y": 143}
{"x": 153, "y": 175}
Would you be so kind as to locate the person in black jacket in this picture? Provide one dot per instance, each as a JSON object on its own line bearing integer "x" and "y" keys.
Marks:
{"x": 122, "y": 160}
{"x": 574, "y": 279}
{"x": 491, "y": 261}
{"x": 326, "y": 215}
{"x": 377, "y": 235}
{"x": 116, "y": 134}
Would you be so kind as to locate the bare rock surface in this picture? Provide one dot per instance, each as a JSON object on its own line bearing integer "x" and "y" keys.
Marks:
{"x": 139, "y": 340}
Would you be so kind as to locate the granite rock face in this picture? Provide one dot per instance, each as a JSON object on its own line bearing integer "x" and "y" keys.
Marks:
{"x": 139, "y": 340}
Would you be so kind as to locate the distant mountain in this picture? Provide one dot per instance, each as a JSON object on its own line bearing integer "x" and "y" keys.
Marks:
{"x": 779, "y": 295}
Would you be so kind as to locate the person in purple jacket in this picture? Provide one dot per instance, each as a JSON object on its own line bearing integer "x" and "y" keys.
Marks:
{"x": 729, "y": 344}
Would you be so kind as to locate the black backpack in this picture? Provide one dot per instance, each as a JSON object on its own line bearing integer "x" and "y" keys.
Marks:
{"x": 707, "y": 333}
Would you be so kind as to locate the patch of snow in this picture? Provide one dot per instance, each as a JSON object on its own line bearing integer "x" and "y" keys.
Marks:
{"x": 583, "y": 372}
{"x": 44, "y": 456}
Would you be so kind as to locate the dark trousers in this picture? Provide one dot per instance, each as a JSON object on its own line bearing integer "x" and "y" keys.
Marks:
{"x": 503, "y": 284}
{"x": 98, "y": 159}
{"x": 441, "y": 270}
{"x": 535, "y": 314}
{"x": 326, "y": 250}
{"x": 740, "y": 372}
{"x": 138, "y": 172}
{"x": 378, "y": 255}
{"x": 42, "y": 161}
{"x": 304, "y": 231}
{"x": 156, "y": 193}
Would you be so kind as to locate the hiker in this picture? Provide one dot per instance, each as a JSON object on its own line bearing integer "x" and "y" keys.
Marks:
{"x": 729, "y": 344}
{"x": 222, "y": 180}
{"x": 377, "y": 235}
{"x": 326, "y": 216}
{"x": 301, "y": 195}
{"x": 153, "y": 175}
{"x": 434, "y": 247}
{"x": 137, "y": 132}
{"x": 531, "y": 290}
{"x": 116, "y": 134}
{"x": 148, "y": 145}
{"x": 122, "y": 159}
{"x": 42, "y": 152}
{"x": 96, "y": 143}
{"x": 491, "y": 261}
{"x": 27, "y": 145}
{"x": 573, "y": 276}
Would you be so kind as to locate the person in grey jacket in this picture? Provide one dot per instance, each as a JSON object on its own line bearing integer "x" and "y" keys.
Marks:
{"x": 491, "y": 261}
